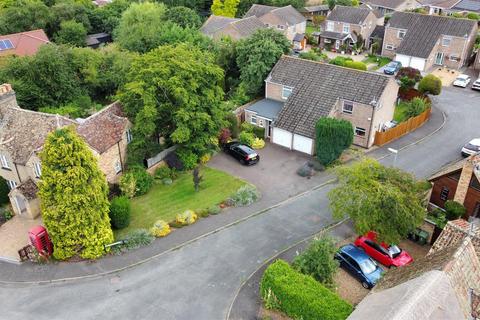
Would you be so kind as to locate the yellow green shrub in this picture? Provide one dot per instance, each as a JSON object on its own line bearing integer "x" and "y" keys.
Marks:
{"x": 187, "y": 217}
{"x": 258, "y": 143}
{"x": 160, "y": 229}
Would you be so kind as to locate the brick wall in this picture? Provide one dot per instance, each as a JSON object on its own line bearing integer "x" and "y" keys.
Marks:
{"x": 438, "y": 186}
{"x": 274, "y": 91}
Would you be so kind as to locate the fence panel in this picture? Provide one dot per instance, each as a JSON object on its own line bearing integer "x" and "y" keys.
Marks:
{"x": 159, "y": 157}
{"x": 401, "y": 129}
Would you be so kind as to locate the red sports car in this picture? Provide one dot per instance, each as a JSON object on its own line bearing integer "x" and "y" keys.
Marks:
{"x": 389, "y": 256}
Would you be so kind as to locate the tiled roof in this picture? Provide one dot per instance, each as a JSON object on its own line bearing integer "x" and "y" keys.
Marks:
{"x": 288, "y": 14}
{"x": 455, "y": 166}
{"x": 378, "y": 32}
{"x": 389, "y": 4}
{"x": 28, "y": 189}
{"x": 215, "y": 23}
{"x": 454, "y": 232}
{"x": 317, "y": 87}
{"x": 334, "y": 35}
{"x": 25, "y": 43}
{"x": 468, "y": 5}
{"x": 245, "y": 27}
{"x": 105, "y": 128}
{"x": 446, "y": 4}
{"x": 351, "y": 15}
{"x": 323, "y": 7}
{"x": 423, "y": 31}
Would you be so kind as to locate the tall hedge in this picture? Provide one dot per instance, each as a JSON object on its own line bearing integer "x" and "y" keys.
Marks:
{"x": 332, "y": 137}
{"x": 300, "y": 296}
{"x": 4, "y": 190}
{"x": 430, "y": 84}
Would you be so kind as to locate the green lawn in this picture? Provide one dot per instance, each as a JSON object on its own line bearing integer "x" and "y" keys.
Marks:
{"x": 165, "y": 201}
{"x": 373, "y": 59}
{"x": 311, "y": 28}
{"x": 399, "y": 114}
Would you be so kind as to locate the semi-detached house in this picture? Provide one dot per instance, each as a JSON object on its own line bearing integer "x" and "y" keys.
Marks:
{"x": 423, "y": 41}
{"x": 299, "y": 92}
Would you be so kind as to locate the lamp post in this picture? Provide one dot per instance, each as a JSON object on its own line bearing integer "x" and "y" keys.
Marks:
{"x": 395, "y": 152}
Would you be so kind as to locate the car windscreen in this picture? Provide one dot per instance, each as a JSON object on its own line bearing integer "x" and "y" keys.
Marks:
{"x": 368, "y": 266}
{"x": 394, "y": 251}
{"x": 473, "y": 147}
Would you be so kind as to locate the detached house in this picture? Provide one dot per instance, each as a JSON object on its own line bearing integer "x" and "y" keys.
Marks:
{"x": 299, "y": 92}
{"x": 22, "y": 135}
{"x": 22, "y": 44}
{"x": 389, "y": 6}
{"x": 423, "y": 41}
{"x": 285, "y": 19}
{"x": 447, "y": 7}
{"x": 346, "y": 26}
{"x": 217, "y": 27}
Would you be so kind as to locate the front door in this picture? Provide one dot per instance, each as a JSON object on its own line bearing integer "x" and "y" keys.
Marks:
{"x": 439, "y": 58}
{"x": 269, "y": 129}
{"x": 21, "y": 205}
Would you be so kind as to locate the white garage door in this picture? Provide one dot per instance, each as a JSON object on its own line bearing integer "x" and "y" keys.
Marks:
{"x": 404, "y": 60}
{"x": 417, "y": 63}
{"x": 302, "y": 144}
{"x": 282, "y": 137}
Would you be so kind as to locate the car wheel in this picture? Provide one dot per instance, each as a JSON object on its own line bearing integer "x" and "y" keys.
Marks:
{"x": 365, "y": 285}
{"x": 242, "y": 161}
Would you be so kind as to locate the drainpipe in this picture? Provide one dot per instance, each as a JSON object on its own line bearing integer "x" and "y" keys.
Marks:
{"x": 371, "y": 126}
{"x": 463, "y": 51}
{"x": 18, "y": 174}
{"x": 120, "y": 154}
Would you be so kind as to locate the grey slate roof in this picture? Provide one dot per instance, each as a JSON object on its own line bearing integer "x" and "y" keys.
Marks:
{"x": 378, "y": 32}
{"x": 288, "y": 14}
{"x": 215, "y": 23}
{"x": 423, "y": 31}
{"x": 312, "y": 9}
{"x": 351, "y": 15}
{"x": 445, "y": 4}
{"x": 389, "y": 4}
{"x": 266, "y": 108}
{"x": 298, "y": 37}
{"x": 245, "y": 27}
{"x": 317, "y": 87}
{"x": 468, "y": 5}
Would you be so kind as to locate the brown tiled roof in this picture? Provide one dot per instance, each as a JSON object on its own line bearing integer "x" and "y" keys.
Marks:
{"x": 25, "y": 43}
{"x": 28, "y": 189}
{"x": 454, "y": 232}
{"x": 105, "y": 128}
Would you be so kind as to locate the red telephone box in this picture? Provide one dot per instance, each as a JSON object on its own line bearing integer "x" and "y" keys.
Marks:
{"x": 40, "y": 240}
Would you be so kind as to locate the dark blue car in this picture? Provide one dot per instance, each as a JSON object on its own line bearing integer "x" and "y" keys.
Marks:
{"x": 359, "y": 265}
{"x": 392, "y": 67}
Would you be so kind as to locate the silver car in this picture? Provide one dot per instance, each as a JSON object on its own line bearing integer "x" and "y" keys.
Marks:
{"x": 472, "y": 147}
{"x": 476, "y": 85}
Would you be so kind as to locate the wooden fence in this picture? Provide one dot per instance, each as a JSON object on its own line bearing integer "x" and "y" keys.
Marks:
{"x": 401, "y": 129}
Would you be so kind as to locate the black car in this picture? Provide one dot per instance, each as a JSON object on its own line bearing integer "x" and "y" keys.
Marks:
{"x": 241, "y": 152}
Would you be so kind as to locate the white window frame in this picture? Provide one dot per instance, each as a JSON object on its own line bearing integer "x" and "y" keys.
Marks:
{"x": 402, "y": 32}
{"x": 346, "y": 28}
{"x": 389, "y": 47}
{"x": 449, "y": 39}
{"x": 286, "y": 92}
{"x": 280, "y": 27}
{"x": 118, "y": 167}
{"x": 4, "y": 162}
{"x": 129, "y": 135}
{"x": 12, "y": 184}
{"x": 327, "y": 40}
{"x": 360, "y": 130}
{"x": 253, "y": 119}
{"x": 330, "y": 25}
{"x": 346, "y": 111}
{"x": 37, "y": 169}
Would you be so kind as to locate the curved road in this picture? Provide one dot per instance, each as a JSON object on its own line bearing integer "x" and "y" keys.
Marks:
{"x": 199, "y": 280}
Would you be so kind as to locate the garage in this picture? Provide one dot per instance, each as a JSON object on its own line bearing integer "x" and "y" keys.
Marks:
{"x": 302, "y": 144}
{"x": 282, "y": 137}
{"x": 408, "y": 61}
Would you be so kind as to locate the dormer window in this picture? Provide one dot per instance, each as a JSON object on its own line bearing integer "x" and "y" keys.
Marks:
{"x": 330, "y": 25}
{"x": 4, "y": 162}
{"x": 346, "y": 28}
{"x": 286, "y": 92}
{"x": 129, "y": 135}
{"x": 401, "y": 33}
{"x": 446, "y": 41}
{"x": 347, "y": 107}
{"x": 37, "y": 169}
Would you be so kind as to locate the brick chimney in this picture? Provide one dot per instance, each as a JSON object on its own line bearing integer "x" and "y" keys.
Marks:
{"x": 471, "y": 165}
{"x": 8, "y": 98}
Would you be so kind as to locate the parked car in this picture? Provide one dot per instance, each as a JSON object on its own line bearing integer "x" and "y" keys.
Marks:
{"x": 462, "y": 81}
{"x": 476, "y": 84}
{"x": 359, "y": 264}
{"x": 392, "y": 67}
{"x": 243, "y": 153}
{"x": 472, "y": 147}
{"x": 389, "y": 256}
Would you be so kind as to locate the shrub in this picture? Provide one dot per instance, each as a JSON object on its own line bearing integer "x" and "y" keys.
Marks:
{"x": 163, "y": 172}
{"x": 4, "y": 190}
{"x": 438, "y": 217}
{"x": 186, "y": 218}
{"x": 259, "y": 132}
{"x": 300, "y": 296}
{"x": 205, "y": 158}
{"x": 258, "y": 143}
{"x": 245, "y": 196}
{"x": 120, "y": 210}
{"x": 333, "y": 136}
{"x": 410, "y": 73}
{"x": 225, "y": 136}
{"x": 430, "y": 84}
{"x": 173, "y": 161}
{"x": 143, "y": 180}
{"x": 416, "y": 106}
{"x": 454, "y": 210}
{"x": 233, "y": 124}
{"x": 188, "y": 158}
{"x": 248, "y": 127}
{"x": 7, "y": 214}
{"x": 317, "y": 261}
{"x": 214, "y": 209}
{"x": 203, "y": 213}
{"x": 246, "y": 138}
{"x": 128, "y": 184}
{"x": 340, "y": 61}
{"x": 160, "y": 229}
{"x": 167, "y": 181}
{"x": 356, "y": 65}
{"x": 406, "y": 83}
{"x": 138, "y": 238}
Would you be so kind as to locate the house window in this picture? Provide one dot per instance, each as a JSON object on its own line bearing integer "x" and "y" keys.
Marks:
{"x": 346, "y": 28}
{"x": 129, "y": 136}
{"x": 4, "y": 161}
{"x": 444, "y": 193}
{"x": 286, "y": 92}
{"x": 267, "y": 25}
{"x": 280, "y": 27}
{"x": 347, "y": 107}
{"x": 454, "y": 58}
{"x": 360, "y": 132}
{"x": 327, "y": 41}
{"x": 118, "y": 167}
{"x": 446, "y": 41}
{"x": 330, "y": 25}
{"x": 389, "y": 47}
{"x": 401, "y": 33}
{"x": 37, "y": 168}
{"x": 11, "y": 184}
{"x": 253, "y": 120}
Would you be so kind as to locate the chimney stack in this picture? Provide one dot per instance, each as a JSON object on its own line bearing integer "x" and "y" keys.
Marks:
{"x": 5, "y": 88}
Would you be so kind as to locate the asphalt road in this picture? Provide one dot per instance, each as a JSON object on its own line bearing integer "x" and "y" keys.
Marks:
{"x": 199, "y": 280}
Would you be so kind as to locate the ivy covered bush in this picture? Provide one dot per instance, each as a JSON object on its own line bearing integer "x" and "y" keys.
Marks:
{"x": 299, "y": 295}
{"x": 333, "y": 137}
{"x": 120, "y": 211}
{"x": 160, "y": 229}
{"x": 245, "y": 196}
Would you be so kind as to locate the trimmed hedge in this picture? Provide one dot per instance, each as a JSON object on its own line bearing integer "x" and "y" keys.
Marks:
{"x": 300, "y": 296}
{"x": 120, "y": 212}
{"x": 333, "y": 136}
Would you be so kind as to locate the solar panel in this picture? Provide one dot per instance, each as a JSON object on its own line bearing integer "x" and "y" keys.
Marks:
{"x": 2, "y": 45}
{"x": 8, "y": 44}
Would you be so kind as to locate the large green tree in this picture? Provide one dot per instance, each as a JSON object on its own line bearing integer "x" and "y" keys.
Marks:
{"x": 378, "y": 198}
{"x": 184, "y": 17}
{"x": 72, "y": 33}
{"x": 257, "y": 55}
{"x": 175, "y": 92}
{"x": 225, "y": 8}
{"x": 73, "y": 196}
{"x": 24, "y": 15}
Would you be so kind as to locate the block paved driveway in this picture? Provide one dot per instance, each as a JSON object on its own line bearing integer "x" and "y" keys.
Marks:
{"x": 199, "y": 280}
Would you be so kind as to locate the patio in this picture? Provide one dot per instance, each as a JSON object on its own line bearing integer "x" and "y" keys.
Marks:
{"x": 14, "y": 236}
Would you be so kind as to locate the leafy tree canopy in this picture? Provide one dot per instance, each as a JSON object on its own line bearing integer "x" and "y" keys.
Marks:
{"x": 184, "y": 17}
{"x": 73, "y": 196}
{"x": 71, "y": 32}
{"x": 225, "y": 8}
{"x": 24, "y": 15}
{"x": 382, "y": 199}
